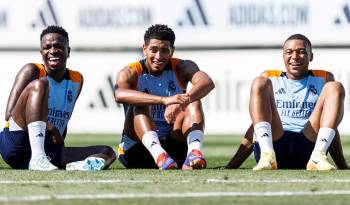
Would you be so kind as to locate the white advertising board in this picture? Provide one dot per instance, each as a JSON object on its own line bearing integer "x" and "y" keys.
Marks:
{"x": 226, "y": 108}
{"x": 197, "y": 23}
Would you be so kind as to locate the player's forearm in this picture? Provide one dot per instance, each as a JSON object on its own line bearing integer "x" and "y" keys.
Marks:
{"x": 336, "y": 151}
{"x": 134, "y": 97}
{"x": 8, "y": 112}
{"x": 241, "y": 155}
{"x": 10, "y": 105}
{"x": 201, "y": 89}
{"x": 244, "y": 150}
{"x": 338, "y": 158}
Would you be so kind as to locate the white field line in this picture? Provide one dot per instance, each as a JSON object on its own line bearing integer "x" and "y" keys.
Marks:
{"x": 135, "y": 181}
{"x": 272, "y": 181}
{"x": 171, "y": 195}
{"x": 73, "y": 181}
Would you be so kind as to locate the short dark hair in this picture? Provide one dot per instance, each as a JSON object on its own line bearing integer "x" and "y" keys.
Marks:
{"x": 160, "y": 32}
{"x": 299, "y": 37}
{"x": 54, "y": 29}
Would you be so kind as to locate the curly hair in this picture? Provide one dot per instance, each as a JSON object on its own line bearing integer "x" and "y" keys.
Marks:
{"x": 160, "y": 32}
{"x": 54, "y": 29}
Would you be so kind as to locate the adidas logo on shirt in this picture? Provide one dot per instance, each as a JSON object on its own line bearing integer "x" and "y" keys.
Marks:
{"x": 280, "y": 91}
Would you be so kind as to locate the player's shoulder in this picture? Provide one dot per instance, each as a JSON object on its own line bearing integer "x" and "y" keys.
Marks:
{"x": 133, "y": 68}
{"x": 184, "y": 65}
{"x": 75, "y": 75}
{"x": 177, "y": 62}
{"x": 326, "y": 75}
{"x": 130, "y": 73}
{"x": 32, "y": 69}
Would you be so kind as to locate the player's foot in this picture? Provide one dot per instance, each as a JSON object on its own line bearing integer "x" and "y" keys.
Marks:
{"x": 267, "y": 161}
{"x": 194, "y": 160}
{"x": 164, "y": 162}
{"x": 318, "y": 161}
{"x": 89, "y": 164}
{"x": 41, "y": 163}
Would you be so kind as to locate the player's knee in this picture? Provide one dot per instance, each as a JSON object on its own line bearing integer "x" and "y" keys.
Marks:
{"x": 41, "y": 85}
{"x": 197, "y": 104}
{"x": 194, "y": 112}
{"x": 335, "y": 88}
{"x": 194, "y": 107}
{"x": 260, "y": 83}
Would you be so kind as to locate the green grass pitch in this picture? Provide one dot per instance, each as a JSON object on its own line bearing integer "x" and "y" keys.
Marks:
{"x": 203, "y": 187}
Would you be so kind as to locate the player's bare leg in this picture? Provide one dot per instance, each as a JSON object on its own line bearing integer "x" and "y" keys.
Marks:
{"x": 323, "y": 123}
{"x": 144, "y": 129}
{"x": 30, "y": 113}
{"x": 189, "y": 126}
{"x": 266, "y": 121}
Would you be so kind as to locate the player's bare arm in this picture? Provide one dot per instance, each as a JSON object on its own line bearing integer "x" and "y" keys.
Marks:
{"x": 55, "y": 134}
{"x": 126, "y": 92}
{"x": 244, "y": 150}
{"x": 336, "y": 152}
{"x": 188, "y": 71}
{"x": 27, "y": 74}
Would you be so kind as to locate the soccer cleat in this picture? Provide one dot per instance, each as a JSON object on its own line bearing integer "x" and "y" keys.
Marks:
{"x": 41, "y": 163}
{"x": 194, "y": 160}
{"x": 318, "y": 161}
{"x": 164, "y": 162}
{"x": 267, "y": 161}
{"x": 89, "y": 164}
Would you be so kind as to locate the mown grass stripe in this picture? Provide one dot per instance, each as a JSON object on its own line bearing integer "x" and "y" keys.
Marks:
{"x": 278, "y": 181}
{"x": 171, "y": 195}
{"x": 112, "y": 181}
{"x": 108, "y": 181}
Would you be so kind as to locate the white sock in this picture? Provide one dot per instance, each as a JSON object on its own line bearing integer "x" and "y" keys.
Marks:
{"x": 195, "y": 140}
{"x": 151, "y": 142}
{"x": 263, "y": 133}
{"x": 324, "y": 139}
{"x": 36, "y": 131}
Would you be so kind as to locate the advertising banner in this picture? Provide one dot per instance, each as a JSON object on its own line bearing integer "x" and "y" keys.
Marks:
{"x": 226, "y": 107}
{"x": 118, "y": 24}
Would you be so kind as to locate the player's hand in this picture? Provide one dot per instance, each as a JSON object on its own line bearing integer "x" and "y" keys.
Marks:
{"x": 171, "y": 112}
{"x": 55, "y": 134}
{"x": 181, "y": 99}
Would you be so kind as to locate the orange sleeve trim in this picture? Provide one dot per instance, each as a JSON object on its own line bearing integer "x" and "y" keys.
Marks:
{"x": 272, "y": 73}
{"x": 137, "y": 66}
{"x": 320, "y": 73}
{"x": 75, "y": 76}
{"x": 41, "y": 69}
{"x": 174, "y": 62}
